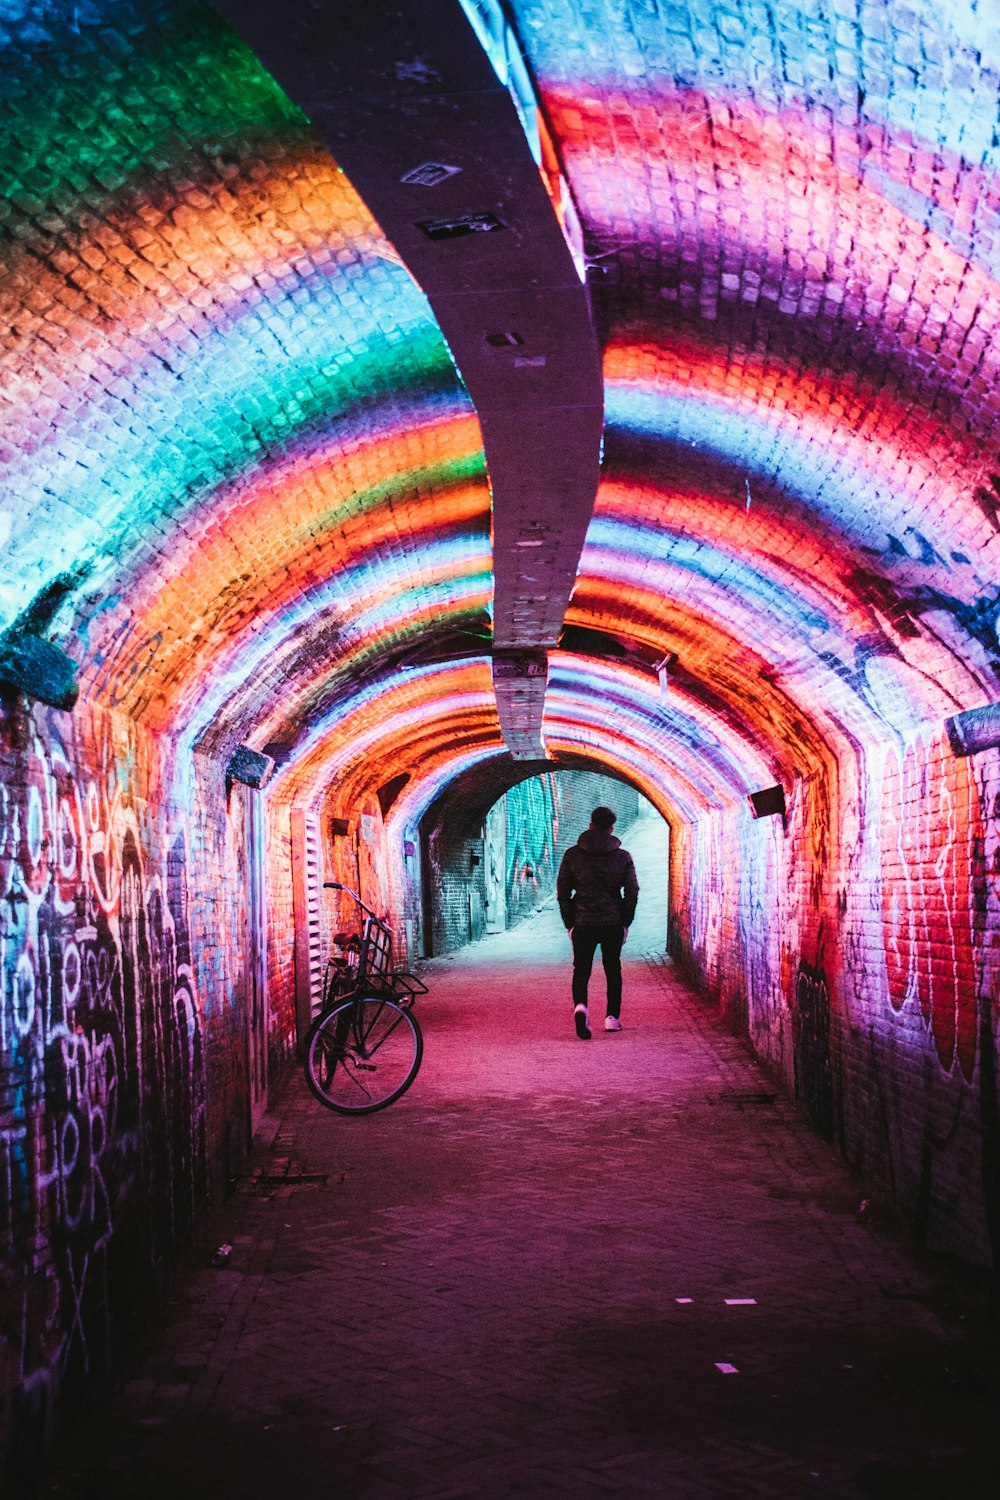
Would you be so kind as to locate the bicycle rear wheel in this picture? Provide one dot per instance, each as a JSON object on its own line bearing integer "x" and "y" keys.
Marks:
{"x": 363, "y": 1054}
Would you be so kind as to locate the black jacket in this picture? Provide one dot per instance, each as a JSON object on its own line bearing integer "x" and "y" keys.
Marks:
{"x": 596, "y": 885}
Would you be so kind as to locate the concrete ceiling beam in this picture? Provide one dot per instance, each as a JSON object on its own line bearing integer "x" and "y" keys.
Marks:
{"x": 406, "y": 100}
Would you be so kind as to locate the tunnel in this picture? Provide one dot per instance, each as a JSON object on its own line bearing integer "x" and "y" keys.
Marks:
{"x": 406, "y": 406}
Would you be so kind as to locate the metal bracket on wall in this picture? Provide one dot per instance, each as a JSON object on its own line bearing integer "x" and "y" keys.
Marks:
{"x": 768, "y": 803}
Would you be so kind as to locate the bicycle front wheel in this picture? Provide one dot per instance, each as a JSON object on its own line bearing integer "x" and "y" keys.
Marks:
{"x": 363, "y": 1054}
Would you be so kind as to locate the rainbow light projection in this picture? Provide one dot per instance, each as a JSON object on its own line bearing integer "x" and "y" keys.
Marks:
{"x": 241, "y": 464}
{"x": 407, "y": 811}
{"x": 785, "y": 64}
{"x": 245, "y": 492}
{"x": 728, "y": 548}
{"x": 318, "y": 508}
{"x": 425, "y": 721}
{"x": 805, "y": 360}
{"x": 832, "y": 478}
{"x": 676, "y": 749}
{"x": 393, "y": 599}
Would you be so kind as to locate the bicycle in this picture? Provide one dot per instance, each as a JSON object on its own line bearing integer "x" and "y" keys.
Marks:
{"x": 365, "y": 1048}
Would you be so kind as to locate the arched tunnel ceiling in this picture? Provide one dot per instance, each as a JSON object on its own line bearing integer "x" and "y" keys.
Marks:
{"x": 246, "y": 489}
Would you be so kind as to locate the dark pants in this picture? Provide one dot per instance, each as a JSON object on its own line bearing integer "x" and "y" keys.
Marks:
{"x": 586, "y": 941}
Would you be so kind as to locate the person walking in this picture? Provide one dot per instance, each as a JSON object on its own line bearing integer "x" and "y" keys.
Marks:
{"x": 597, "y": 890}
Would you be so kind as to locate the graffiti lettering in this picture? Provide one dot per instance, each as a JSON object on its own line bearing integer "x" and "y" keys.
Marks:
{"x": 930, "y": 824}
{"x": 101, "y": 1042}
{"x": 532, "y": 810}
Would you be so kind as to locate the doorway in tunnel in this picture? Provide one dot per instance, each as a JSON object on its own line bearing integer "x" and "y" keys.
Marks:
{"x": 488, "y": 870}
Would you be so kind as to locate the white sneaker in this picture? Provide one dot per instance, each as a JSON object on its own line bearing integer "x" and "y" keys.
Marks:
{"x": 612, "y": 1023}
{"x": 580, "y": 1020}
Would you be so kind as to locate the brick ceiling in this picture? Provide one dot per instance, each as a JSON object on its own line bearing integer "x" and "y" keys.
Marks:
{"x": 246, "y": 489}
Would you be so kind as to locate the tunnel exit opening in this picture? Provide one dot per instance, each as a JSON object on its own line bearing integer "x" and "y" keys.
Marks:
{"x": 489, "y": 864}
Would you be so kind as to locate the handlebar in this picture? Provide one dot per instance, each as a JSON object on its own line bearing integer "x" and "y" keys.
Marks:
{"x": 375, "y": 950}
{"x": 337, "y": 885}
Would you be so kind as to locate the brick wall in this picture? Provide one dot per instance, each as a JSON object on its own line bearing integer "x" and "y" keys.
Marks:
{"x": 123, "y": 1091}
{"x": 281, "y": 940}
{"x": 355, "y": 848}
{"x": 455, "y": 868}
{"x": 858, "y": 948}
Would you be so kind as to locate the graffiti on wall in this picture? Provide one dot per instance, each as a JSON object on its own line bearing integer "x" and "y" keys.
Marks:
{"x": 532, "y": 831}
{"x": 699, "y": 892}
{"x": 868, "y": 944}
{"x": 102, "y": 1110}
{"x": 987, "y": 878}
{"x": 931, "y": 824}
{"x": 762, "y": 921}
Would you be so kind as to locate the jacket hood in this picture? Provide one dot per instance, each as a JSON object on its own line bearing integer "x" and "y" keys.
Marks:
{"x": 596, "y": 841}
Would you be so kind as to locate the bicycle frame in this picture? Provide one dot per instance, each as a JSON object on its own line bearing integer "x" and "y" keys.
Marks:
{"x": 363, "y": 1051}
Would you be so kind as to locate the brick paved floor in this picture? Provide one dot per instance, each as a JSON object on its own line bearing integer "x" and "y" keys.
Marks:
{"x": 518, "y": 1282}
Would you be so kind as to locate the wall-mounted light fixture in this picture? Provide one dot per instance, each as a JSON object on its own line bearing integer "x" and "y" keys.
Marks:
{"x": 38, "y": 668}
{"x": 768, "y": 803}
{"x": 251, "y": 767}
{"x": 976, "y": 729}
